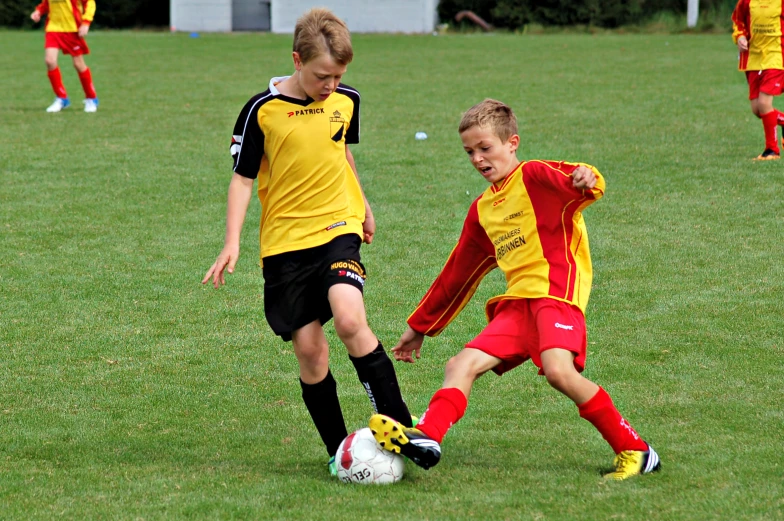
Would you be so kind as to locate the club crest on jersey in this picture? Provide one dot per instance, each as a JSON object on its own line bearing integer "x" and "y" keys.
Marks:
{"x": 337, "y": 126}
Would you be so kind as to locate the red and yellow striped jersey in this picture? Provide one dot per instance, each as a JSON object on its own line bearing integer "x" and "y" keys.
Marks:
{"x": 532, "y": 228}
{"x": 760, "y": 21}
{"x": 65, "y": 16}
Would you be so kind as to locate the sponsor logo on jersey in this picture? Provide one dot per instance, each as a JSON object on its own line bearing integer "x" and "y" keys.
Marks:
{"x": 512, "y": 216}
{"x": 509, "y": 241}
{"x": 496, "y": 203}
{"x": 564, "y": 326}
{"x": 305, "y": 112}
{"x": 332, "y": 226}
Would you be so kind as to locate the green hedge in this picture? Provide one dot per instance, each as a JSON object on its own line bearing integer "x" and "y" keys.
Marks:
{"x": 513, "y": 14}
{"x": 108, "y": 13}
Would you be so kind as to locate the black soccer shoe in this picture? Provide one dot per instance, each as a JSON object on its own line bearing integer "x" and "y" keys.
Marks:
{"x": 408, "y": 441}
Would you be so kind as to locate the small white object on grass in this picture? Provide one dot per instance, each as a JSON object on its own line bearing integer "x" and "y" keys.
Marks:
{"x": 420, "y": 136}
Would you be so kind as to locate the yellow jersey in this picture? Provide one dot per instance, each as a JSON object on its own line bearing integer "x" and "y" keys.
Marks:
{"x": 297, "y": 150}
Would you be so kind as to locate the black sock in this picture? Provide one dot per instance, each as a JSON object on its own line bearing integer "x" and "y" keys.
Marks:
{"x": 377, "y": 374}
{"x": 321, "y": 399}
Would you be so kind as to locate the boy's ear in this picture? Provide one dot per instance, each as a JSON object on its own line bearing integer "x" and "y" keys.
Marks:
{"x": 514, "y": 140}
{"x": 297, "y": 60}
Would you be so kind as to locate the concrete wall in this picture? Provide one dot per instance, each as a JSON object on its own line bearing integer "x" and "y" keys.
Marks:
{"x": 200, "y": 15}
{"x": 362, "y": 16}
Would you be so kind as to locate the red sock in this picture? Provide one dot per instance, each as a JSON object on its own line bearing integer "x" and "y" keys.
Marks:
{"x": 779, "y": 117}
{"x": 771, "y": 130}
{"x": 56, "y": 79}
{"x": 87, "y": 84}
{"x": 601, "y": 412}
{"x": 446, "y": 407}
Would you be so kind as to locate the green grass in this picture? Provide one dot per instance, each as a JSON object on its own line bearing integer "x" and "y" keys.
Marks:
{"x": 129, "y": 391}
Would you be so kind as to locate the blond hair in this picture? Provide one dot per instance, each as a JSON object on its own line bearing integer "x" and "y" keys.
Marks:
{"x": 319, "y": 32}
{"x": 491, "y": 114}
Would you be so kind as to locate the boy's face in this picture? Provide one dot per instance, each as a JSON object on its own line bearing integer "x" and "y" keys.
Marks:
{"x": 491, "y": 157}
{"x": 320, "y": 76}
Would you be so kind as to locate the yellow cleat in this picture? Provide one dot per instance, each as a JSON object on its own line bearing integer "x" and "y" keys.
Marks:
{"x": 412, "y": 443}
{"x": 767, "y": 155}
{"x": 633, "y": 462}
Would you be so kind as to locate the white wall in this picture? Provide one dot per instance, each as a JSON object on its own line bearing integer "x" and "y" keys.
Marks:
{"x": 200, "y": 15}
{"x": 362, "y": 16}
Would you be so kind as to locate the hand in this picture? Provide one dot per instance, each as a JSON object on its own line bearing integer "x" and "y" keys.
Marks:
{"x": 583, "y": 177}
{"x": 226, "y": 261}
{"x": 83, "y": 30}
{"x": 36, "y": 16}
{"x": 368, "y": 228}
{"x": 743, "y": 44}
{"x": 410, "y": 342}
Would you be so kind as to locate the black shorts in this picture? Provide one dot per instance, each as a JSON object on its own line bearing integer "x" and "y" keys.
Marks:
{"x": 296, "y": 283}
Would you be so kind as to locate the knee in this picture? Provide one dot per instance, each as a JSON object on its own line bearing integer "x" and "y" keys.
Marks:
{"x": 347, "y": 326}
{"x": 313, "y": 355}
{"x": 559, "y": 377}
{"x": 51, "y": 63}
{"x": 457, "y": 367}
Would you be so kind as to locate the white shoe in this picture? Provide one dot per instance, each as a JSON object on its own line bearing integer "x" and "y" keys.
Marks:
{"x": 58, "y": 105}
{"x": 91, "y": 105}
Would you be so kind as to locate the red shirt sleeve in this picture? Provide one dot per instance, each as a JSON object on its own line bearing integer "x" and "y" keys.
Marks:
{"x": 43, "y": 7}
{"x": 557, "y": 177}
{"x": 471, "y": 259}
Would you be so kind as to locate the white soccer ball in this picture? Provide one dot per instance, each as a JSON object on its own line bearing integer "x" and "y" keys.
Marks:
{"x": 361, "y": 460}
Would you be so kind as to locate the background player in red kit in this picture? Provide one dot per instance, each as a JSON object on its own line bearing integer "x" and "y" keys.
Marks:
{"x": 529, "y": 224}
{"x": 67, "y": 24}
{"x": 756, "y": 29}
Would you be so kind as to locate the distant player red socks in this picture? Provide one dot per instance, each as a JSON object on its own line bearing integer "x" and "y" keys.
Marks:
{"x": 770, "y": 125}
{"x": 87, "y": 84}
{"x": 56, "y": 79}
{"x": 446, "y": 407}
{"x": 779, "y": 117}
{"x": 601, "y": 412}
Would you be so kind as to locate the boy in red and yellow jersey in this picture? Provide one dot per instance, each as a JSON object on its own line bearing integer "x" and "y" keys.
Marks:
{"x": 67, "y": 24}
{"x": 756, "y": 29}
{"x": 528, "y": 223}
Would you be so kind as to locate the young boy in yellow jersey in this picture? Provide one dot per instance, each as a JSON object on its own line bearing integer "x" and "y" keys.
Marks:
{"x": 756, "y": 29}
{"x": 67, "y": 24}
{"x": 528, "y": 223}
{"x": 294, "y": 138}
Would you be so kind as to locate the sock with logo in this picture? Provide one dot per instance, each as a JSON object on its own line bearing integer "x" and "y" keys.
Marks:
{"x": 56, "y": 79}
{"x": 601, "y": 412}
{"x": 770, "y": 126}
{"x": 87, "y": 84}
{"x": 779, "y": 117}
{"x": 322, "y": 402}
{"x": 446, "y": 407}
{"x": 377, "y": 374}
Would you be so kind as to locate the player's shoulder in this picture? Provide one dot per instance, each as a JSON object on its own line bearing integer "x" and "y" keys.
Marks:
{"x": 548, "y": 165}
{"x": 259, "y": 99}
{"x": 348, "y": 90}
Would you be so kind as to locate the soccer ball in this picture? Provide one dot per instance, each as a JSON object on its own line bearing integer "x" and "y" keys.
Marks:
{"x": 361, "y": 460}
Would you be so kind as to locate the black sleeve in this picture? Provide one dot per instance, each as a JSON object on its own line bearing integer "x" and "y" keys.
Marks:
{"x": 352, "y": 135}
{"x": 247, "y": 140}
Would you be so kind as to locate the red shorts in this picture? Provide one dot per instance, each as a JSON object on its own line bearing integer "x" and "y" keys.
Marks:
{"x": 523, "y": 328}
{"x": 768, "y": 81}
{"x": 69, "y": 43}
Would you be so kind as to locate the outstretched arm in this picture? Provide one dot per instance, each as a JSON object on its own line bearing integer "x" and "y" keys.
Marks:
{"x": 471, "y": 259}
{"x": 240, "y": 190}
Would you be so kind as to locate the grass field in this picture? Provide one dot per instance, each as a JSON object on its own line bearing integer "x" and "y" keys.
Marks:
{"x": 130, "y": 391}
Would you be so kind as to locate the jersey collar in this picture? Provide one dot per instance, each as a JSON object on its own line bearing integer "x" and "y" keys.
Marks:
{"x": 275, "y": 92}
